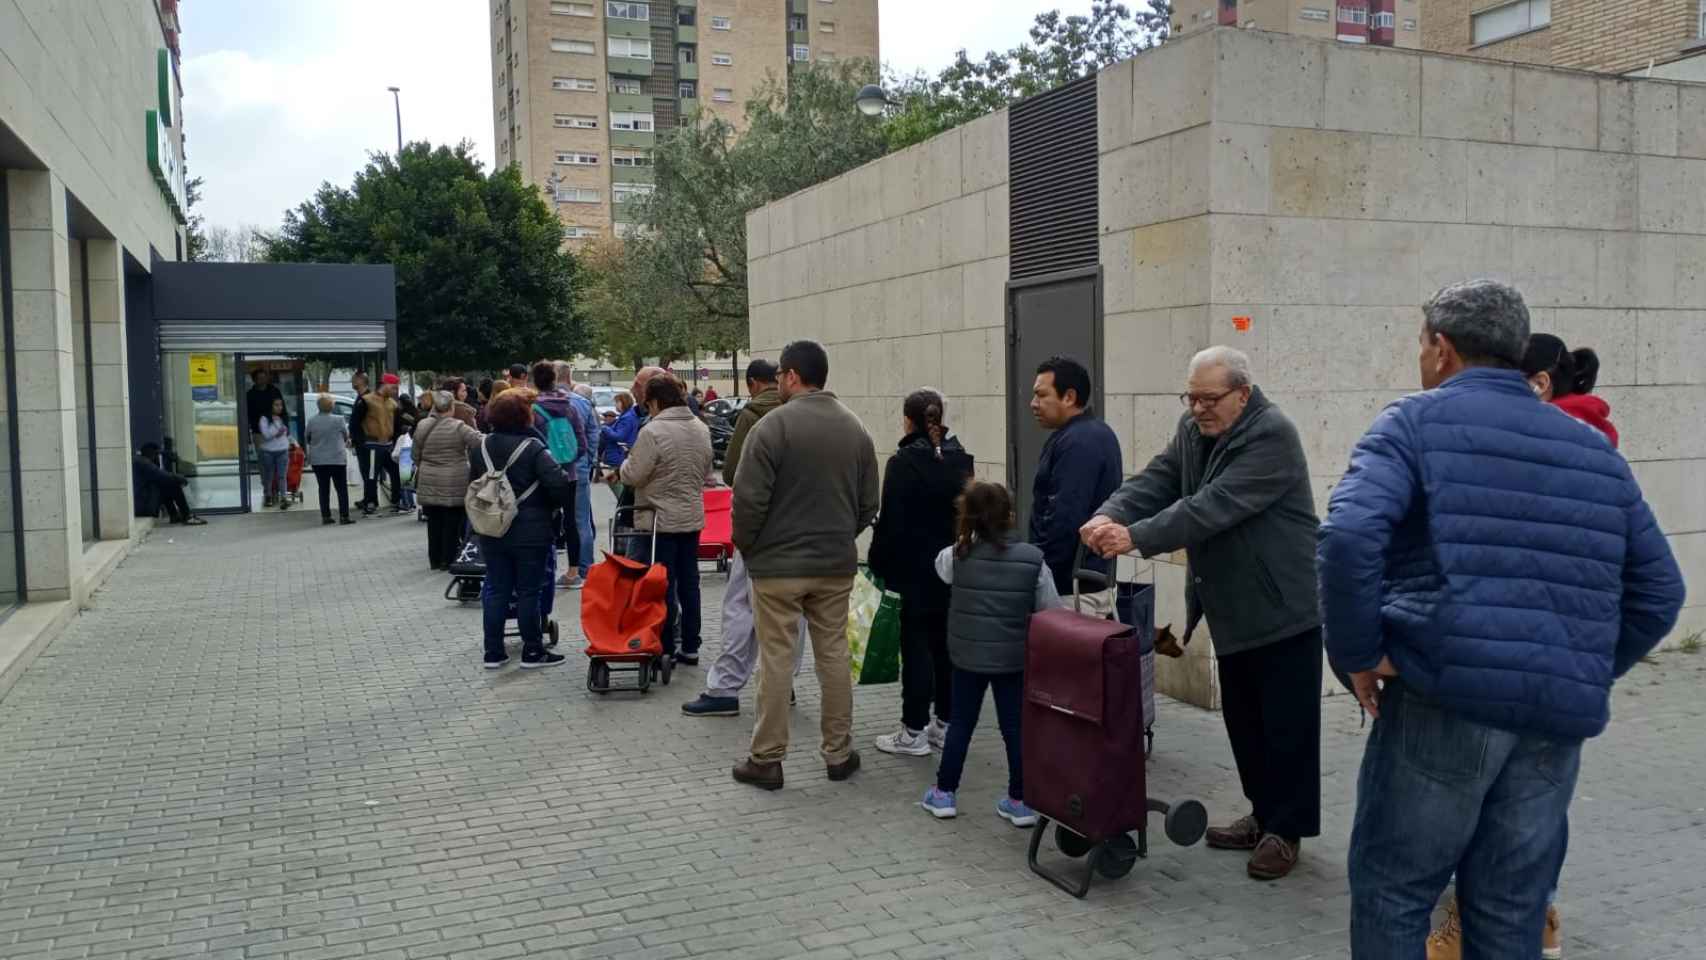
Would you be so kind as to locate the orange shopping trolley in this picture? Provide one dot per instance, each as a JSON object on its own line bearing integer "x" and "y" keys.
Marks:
{"x": 623, "y": 606}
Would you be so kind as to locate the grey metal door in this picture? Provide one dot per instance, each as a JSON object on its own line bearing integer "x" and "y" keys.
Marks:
{"x": 1055, "y": 315}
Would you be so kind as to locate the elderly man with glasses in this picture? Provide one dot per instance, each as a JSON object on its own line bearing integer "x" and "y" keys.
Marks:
{"x": 1232, "y": 490}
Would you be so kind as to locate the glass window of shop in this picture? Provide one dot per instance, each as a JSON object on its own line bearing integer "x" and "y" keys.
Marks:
{"x": 202, "y": 426}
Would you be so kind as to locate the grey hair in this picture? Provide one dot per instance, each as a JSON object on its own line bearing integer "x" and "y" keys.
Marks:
{"x": 565, "y": 372}
{"x": 1487, "y": 321}
{"x": 1236, "y": 363}
{"x": 583, "y": 390}
{"x": 442, "y": 401}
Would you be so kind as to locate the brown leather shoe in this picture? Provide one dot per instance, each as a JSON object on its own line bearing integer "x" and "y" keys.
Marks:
{"x": 1273, "y": 859}
{"x": 844, "y": 769}
{"x": 764, "y": 776}
{"x": 1241, "y": 834}
{"x": 1552, "y": 937}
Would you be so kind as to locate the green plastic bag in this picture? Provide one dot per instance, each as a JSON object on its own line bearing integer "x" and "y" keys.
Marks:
{"x": 873, "y": 631}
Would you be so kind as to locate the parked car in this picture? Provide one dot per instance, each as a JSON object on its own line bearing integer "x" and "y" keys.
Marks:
{"x": 604, "y": 399}
{"x": 725, "y": 408}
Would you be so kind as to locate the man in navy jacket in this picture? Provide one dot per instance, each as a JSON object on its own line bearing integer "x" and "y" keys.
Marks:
{"x": 1078, "y": 469}
{"x": 1487, "y": 569}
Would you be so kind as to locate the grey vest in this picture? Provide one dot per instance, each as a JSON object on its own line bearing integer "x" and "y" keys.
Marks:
{"x": 989, "y": 612}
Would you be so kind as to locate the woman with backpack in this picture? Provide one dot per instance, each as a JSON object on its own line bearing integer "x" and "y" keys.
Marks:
{"x": 667, "y": 468}
{"x": 442, "y": 445}
{"x": 516, "y": 553}
{"x": 559, "y": 426}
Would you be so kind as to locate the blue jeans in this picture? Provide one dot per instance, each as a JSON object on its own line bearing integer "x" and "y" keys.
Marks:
{"x": 679, "y": 554}
{"x": 513, "y": 573}
{"x": 1009, "y": 690}
{"x": 583, "y": 514}
{"x": 1439, "y": 792}
{"x": 275, "y": 466}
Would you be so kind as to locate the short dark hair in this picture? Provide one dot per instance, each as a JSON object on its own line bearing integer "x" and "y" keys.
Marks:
{"x": 511, "y": 411}
{"x": 484, "y": 388}
{"x": 517, "y": 371}
{"x": 544, "y": 375}
{"x": 808, "y": 359}
{"x": 151, "y": 449}
{"x": 1486, "y": 321}
{"x": 761, "y": 370}
{"x": 1068, "y": 374}
{"x": 1572, "y": 371}
{"x": 665, "y": 392}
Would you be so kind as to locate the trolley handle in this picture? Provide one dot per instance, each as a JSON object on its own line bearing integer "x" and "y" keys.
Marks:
{"x": 635, "y": 534}
{"x": 1100, "y": 579}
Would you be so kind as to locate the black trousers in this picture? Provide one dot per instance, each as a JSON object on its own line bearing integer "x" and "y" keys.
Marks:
{"x": 177, "y": 505}
{"x": 1271, "y": 702}
{"x": 444, "y": 534}
{"x": 379, "y": 458}
{"x": 568, "y": 533}
{"x": 926, "y": 675}
{"x": 333, "y": 477}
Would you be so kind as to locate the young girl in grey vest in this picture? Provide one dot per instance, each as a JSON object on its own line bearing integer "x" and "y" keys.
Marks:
{"x": 996, "y": 584}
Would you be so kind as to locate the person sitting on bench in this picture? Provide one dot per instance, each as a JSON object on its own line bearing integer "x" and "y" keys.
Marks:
{"x": 154, "y": 487}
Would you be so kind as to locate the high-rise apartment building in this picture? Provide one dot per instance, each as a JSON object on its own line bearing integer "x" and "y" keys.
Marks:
{"x": 1607, "y": 36}
{"x": 1387, "y": 23}
{"x": 581, "y": 88}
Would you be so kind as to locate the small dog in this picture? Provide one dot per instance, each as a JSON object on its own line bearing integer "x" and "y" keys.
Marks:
{"x": 1166, "y": 644}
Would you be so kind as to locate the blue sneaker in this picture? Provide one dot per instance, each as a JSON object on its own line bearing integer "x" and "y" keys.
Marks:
{"x": 939, "y": 804}
{"x": 1015, "y": 812}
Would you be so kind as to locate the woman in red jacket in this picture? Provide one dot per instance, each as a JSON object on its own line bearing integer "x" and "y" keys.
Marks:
{"x": 1565, "y": 378}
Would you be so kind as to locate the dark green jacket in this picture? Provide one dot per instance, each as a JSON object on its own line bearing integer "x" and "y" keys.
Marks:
{"x": 758, "y": 406}
{"x": 1242, "y": 510}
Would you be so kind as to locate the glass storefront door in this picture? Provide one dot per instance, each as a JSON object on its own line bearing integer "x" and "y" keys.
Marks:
{"x": 203, "y": 428}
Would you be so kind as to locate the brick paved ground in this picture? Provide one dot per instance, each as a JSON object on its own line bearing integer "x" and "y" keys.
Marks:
{"x": 266, "y": 738}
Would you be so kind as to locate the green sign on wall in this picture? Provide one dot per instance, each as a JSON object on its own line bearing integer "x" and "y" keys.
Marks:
{"x": 163, "y": 159}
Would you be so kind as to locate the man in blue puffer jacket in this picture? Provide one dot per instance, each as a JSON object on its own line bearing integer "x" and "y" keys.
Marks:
{"x": 1496, "y": 567}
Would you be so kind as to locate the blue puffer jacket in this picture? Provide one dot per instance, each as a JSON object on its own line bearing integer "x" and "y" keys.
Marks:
{"x": 1500, "y": 554}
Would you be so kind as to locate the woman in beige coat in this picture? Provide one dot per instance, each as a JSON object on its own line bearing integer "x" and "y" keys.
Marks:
{"x": 667, "y": 468}
{"x": 442, "y": 443}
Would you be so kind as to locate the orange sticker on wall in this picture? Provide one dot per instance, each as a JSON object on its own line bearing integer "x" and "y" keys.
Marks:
{"x": 1241, "y": 324}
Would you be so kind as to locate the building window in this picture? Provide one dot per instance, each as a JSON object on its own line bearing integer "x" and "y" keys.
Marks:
{"x": 630, "y": 158}
{"x": 574, "y": 121}
{"x": 722, "y": 60}
{"x": 721, "y": 23}
{"x": 578, "y": 195}
{"x": 686, "y": 54}
{"x": 687, "y": 90}
{"x": 1385, "y": 20}
{"x": 723, "y": 95}
{"x": 802, "y": 53}
{"x": 622, "y": 120}
{"x": 581, "y": 84}
{"x": 1509, "y": 20}
{"x": 572, "y": 9}
{"x": 623, "y": 192}
{"x": 573, "y": 159}
{"x": 1409, "y": 23}
{"x": 796, "y": 21}
{"x": 1702, "y": 31}
{"x": 686, "y": 16}
{"x": 577, "y": 232}
{"x": 630, "y": 47}
{"x": 1314, "y": 13}
{"x": 624, "y": 10}
{"x": 1356, "y": 15}
{"x": 625, "y": 85}
{"x": 500, "y": 44}
{"x": 560, "y": 45}
{"x": 826, "y": 26}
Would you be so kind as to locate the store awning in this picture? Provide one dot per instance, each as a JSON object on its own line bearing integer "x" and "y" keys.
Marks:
{"x": 287, "y": 308}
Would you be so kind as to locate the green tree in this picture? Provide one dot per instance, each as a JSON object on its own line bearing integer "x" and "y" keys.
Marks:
{"x": 632, "y": 312}
{"x": 1061, "y": 50}
{"x": 195, "y": 247}
{"x": 482, "y": 279}
{"x": 709, "y": 175}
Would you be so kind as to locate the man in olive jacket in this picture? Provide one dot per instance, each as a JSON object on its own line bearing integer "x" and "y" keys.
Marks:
{"x": 805, "y": 488}
{"x": 1232, "y": 490}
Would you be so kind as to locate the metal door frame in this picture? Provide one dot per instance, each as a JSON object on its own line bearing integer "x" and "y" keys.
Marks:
{"x": 1016, "y": 382}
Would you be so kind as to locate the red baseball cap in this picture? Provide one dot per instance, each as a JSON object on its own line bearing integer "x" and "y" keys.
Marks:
{"x": 389, "y": 378}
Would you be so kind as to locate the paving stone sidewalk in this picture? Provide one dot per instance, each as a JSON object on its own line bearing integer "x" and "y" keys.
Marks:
{"x": 268, "y": 738}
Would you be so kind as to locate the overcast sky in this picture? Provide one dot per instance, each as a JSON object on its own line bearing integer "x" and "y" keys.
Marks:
{"x": 280, "y": 95}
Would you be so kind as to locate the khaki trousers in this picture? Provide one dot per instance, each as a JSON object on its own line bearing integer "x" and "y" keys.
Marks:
{"x": 778, "y": 603}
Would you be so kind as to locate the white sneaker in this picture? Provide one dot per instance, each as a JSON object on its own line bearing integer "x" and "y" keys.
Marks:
{"x": 905, "y": 743}
{"x": 937, "y": 734}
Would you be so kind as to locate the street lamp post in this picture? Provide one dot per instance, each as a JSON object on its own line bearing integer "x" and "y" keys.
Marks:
{"x": 397, "y": 101}
{"x": 872, "y": 101}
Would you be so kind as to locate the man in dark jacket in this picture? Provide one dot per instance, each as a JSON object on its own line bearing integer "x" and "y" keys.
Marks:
{"x": 1232, "y": 490}
{"x": 806, "y": 487}
{"x": 554, "y": 404}
{"x": 262, "y": 392}
{"x": 1078, "y": 468}
{"x": 733, "y": 667}
{"x": 1496, "y": 567}
{"x": 155, "y": 487}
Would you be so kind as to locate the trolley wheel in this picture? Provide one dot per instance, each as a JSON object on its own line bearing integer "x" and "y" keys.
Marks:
{"x": 1116, "y": 856}
{"x": 598, "y": 676}
{"x": 552, "y": 633}
{"x": 1185, "y": 823}
{"x": 1071, "y": 843}
{"x": 668, "y": 668}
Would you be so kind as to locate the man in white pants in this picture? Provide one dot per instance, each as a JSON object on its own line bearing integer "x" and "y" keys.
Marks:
{"x": 735, "y": 664}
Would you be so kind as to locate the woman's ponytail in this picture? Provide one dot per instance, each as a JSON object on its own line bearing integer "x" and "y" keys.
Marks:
{"x": 1584, "y": 372}
{"x": 924, "y": 408}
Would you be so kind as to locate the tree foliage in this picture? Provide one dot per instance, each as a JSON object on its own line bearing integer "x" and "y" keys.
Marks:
{"x": 1061, "y": 50}
{"x": 195, "y": 246}
{"x": 632, "y": 313}
{"x": 244, "y": 243}
{"x": 481, "y": 277}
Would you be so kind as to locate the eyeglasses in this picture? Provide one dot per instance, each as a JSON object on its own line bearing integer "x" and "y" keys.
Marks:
{"x": 1208, "y": 401}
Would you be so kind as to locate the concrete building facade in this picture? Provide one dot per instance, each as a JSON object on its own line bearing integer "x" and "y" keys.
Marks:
{"x": 581, "y": 88}
{"x": 1296, "y": 199}
{"x": 1665, "y": 37}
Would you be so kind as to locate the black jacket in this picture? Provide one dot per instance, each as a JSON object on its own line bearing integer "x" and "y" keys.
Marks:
{"x": 534, "y": 525}
{"x": 259, "y": 401}
{"x": 1078, "y": 469}
{"x": 149, "y": 483}
{"x": 917, "y": 519}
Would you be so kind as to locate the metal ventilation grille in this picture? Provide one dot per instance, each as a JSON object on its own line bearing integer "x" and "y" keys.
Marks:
{"x": 1052, "y": 186}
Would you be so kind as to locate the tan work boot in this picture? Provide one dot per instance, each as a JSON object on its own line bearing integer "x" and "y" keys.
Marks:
{"x": 1446, "y": 942}
{"x": 1552, "y": 936}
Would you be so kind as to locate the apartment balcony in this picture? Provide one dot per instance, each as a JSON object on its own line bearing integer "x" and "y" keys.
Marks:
{"x": 687, "y": 71}
{"x": 798, "y": 6}
{"x": 629, "y": 66}
{"x": 616, "y": 27}
{"x": 687, "y": 105}
{"x": 631, "y": 103}
{"x": 632, "y": 175}
{"x": 686, "y": 34}
{"x": 641, "y": 139}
